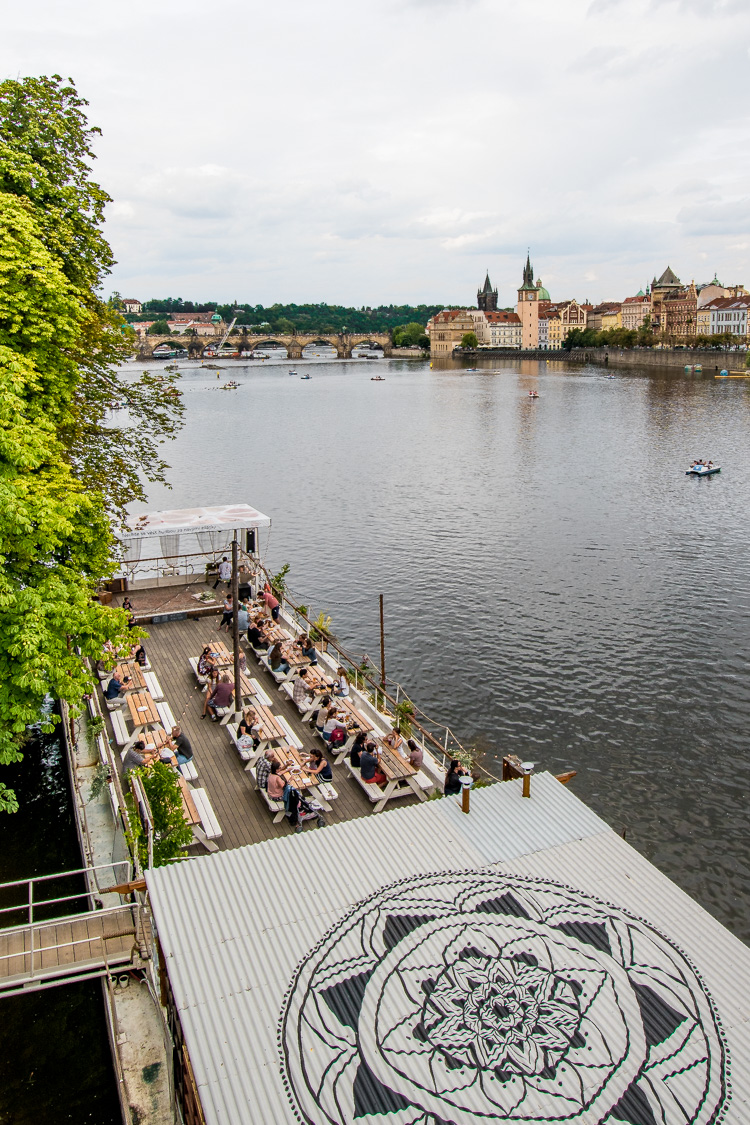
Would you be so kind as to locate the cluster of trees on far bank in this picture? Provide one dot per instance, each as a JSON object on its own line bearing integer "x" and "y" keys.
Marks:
{"x": 641, "y": 338}
{"x": 285, "y": 319}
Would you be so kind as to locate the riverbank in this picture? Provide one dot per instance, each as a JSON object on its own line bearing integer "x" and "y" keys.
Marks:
{"x": 711, "y": 359}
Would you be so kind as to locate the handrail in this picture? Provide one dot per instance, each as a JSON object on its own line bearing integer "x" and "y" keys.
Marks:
{"x": 30, "y": 903}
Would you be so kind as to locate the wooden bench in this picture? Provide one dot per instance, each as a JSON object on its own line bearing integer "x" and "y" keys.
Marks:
{"x": 210, "y": 824}
{"x": 166, "y": 716}
{"x": 304, "y": 709}
{"x": 119, "y": 728}
{"x": 327, "y": 791}
{"x": 425, "y": 781}
{"x": 259, "y": 692}
{"x": 374, "y": 791}
{"x": 189, "y": 770}
{"x": 153, "y": 685}
{"x": 291, "y": 736}
{"x": 246, "y": 755}
{"x": 276, "y": 807}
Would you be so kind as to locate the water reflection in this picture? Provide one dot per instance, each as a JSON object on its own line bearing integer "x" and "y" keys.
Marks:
{"x": 555, "y": 586}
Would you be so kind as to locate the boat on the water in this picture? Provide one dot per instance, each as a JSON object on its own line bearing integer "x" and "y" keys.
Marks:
{"x": 305, "y": 376}
{"x": 533, "y": 394}
{"x": 377, "y": 378}
{"x": 230, "y": 386}
{"x": 292, "y": 372}
{"x": 698, "y": 470}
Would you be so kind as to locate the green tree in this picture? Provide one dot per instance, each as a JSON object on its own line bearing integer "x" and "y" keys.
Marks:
{"x": 158, "y": 328}
{"x": 63, "y": 471}
{"x": 469, "y": 340}
{"x": 408, "y": 335}
{"x": 171, "y": 834}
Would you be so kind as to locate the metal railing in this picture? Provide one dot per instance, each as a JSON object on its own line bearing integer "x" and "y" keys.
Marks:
{"x": 30, "y": 903}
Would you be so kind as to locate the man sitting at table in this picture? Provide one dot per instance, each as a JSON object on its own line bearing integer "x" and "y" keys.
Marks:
{"x": 221, "y": 697}
{"x": 116, "y": 688}
{"x": 369, "y": 764}
{"x": 136, "y": 756}
{"x": 256, "y": 636}
{"x": 263, "y": 768}
{"x": 181, "y": 746}
{"x": 242, "y": 617}
{"x": 302, "y": 691}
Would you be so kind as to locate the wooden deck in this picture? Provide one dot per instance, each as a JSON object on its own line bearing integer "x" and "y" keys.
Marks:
{"x": 61, "y": 948}
{"x": 240, "y": 810}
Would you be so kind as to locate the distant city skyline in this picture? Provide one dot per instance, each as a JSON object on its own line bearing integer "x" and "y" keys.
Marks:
{"x": 394, "y": 152}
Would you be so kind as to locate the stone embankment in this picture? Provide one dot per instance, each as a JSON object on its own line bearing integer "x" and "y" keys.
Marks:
{"x": 710, "y": 358}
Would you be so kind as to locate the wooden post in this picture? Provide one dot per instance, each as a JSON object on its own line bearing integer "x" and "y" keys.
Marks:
{"x": 465, "y": 789}
{"x": 382, "y": 645}
{"x": 526, "y": 791}
{"x": 236, "y": 628}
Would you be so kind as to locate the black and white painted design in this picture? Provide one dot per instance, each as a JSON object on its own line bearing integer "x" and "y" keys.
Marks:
{"x": 481, "y": 997}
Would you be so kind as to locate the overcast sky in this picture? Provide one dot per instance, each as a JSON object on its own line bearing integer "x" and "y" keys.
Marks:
{"x": 392, "y": 150}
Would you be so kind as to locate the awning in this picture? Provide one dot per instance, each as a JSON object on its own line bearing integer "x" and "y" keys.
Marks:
{"x": 182, "y": 521}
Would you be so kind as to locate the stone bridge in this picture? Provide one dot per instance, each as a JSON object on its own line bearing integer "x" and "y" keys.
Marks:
{"x": 344, "y": 343}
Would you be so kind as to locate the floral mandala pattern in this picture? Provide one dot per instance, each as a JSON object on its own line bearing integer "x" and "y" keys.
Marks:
{"x": 460, "y": 998}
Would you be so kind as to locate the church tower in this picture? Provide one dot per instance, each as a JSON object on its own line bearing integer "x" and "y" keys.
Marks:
{"x": 487, "y": 297}
{"x": 528, "y": 307}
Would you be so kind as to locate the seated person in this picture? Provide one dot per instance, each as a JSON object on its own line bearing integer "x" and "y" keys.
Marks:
{"x": 321, "y": 714}
{"x": 277, "y": 660}
{"x": 342, "y": 682}
{"x": 302, "y": 692}
{"x": 369, "y": 764}
{"x": 452, "y": 784}
{"x": 319, "y": 766}
{"x": 242, "y": 619}
{"x": 307, "y": 648}
{"x": 255, "y": 635}
{"x": 116, "y": 688}
{"x": 416, "y": 754}
{"x": 393, "y": 739}
{"x": 181, "y": 746}
{"x": 249, "y": 725}
{"x": 136, "y": 756}
{"x": 205, "y": 662}
{"x": 276, "y": 783}
{"x": 357, "y": 747}
{"x": 220, "y": 698}
{"x": 263, "y": 768}
{"x": 140, "y": 656}
{"x": 331, "y": 724}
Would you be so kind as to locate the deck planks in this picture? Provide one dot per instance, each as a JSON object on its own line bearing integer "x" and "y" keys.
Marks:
{"x": 240, "y": 810}
{"x": 87, "y": 940}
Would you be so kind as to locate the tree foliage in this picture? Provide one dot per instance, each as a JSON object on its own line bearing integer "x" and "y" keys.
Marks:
{"x": 171, "y": 834}
{"x": 469, "y": 340}
{"x": 65, "y": 470}
{"x": 410, "y": 335}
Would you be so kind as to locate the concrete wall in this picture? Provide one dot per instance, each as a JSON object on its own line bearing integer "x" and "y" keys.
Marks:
{"x": 710, "y": 358}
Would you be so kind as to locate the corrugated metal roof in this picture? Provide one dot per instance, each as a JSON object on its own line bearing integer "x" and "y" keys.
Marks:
{"x": 301, "y": 971}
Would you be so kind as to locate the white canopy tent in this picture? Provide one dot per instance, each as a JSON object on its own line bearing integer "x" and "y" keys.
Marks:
{"x": 183, "y": 541}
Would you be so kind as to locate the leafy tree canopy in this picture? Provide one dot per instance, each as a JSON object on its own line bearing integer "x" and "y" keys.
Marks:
{"x": 469, "y": 340}
{"x": 64, "y": 470}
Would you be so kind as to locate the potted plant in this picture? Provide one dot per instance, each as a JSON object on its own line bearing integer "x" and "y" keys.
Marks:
{"x": 320, "y": 630}
{"x": 403, "y": 713}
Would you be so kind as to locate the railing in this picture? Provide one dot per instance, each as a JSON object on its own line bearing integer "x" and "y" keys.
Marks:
{"x": 29, "y": 902}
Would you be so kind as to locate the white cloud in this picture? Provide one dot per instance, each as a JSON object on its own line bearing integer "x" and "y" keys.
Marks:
{"x": 393, "y": 151}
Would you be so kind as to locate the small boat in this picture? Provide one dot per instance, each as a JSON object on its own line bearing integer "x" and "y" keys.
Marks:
{"x": 230, "y": 386}
{"x": 304, "y": 376}
{"x": 377, "y": 378}
{"x": 698, "y": 368}
{"x": 292, "y": 372}
{"x": 702, "y": 470}
{"x": 533, "y": 394}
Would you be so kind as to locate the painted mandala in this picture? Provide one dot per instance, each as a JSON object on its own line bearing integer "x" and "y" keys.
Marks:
{"x": 466, "y": 998}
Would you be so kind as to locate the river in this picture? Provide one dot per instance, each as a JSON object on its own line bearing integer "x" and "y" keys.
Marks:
{"x": 555, "y": 586}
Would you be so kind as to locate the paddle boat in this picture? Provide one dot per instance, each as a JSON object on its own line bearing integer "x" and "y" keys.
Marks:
{"x": 377, "y": 378}
{"x": 699, "y": 470}
{"x": 533, "y": 394}
{"x": 230, "y": 386}
{"x": 305, "y": 376}
{"x": 292, "y": 372}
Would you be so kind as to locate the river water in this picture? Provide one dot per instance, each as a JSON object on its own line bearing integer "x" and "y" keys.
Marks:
{"x": 555, "y": 586}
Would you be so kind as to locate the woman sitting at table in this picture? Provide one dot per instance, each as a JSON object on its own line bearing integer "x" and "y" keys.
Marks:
{"x": 277, "y": 660}
{"x": 452, "y": 783}
{"x": 357, "y": 747}
{"x": 416, "y": 754}
{"x": 393, "y": 739}
{"x": 249, "y": 724}
{"x": 140, "y": 656}
{"x": 332, "y": 723}
{"x": 319, "y": 766}
{"x": 320, "y": 716}
{"x": 307, "y": 649}
{"x": 276, "y": 783}
{"x": 205, "y": 663}
{"x": 369, "y": 764}
{"x": 342, "y": 682}
{"x": 256, "y": 634}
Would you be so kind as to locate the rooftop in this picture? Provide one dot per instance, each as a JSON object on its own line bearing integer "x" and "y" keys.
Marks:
{"x": 520, "y": 963}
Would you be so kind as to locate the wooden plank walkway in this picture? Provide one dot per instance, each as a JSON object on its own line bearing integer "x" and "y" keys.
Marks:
{"x": 240, "y": 810}
{"x": 46, "y": 950}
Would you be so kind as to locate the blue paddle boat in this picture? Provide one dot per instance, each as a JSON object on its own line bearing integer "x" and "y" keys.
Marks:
{"x": 698, "y": 470}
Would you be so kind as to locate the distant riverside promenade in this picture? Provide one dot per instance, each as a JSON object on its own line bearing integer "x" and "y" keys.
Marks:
{"x": 709, "y": 358}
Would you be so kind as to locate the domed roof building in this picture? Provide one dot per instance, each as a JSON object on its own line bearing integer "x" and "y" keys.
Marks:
{"x": 543, "y": 293}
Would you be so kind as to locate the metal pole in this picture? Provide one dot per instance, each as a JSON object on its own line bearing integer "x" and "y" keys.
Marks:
{"x": 236, "y": 627}
{"x": 382, "y": 645}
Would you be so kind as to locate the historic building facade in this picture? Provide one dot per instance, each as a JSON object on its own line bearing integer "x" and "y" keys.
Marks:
{"x": 446, "y": 330}
{"x": 531, "y": 297}
{"x": 487, "y": 297}
{"x": 634, "y": 310}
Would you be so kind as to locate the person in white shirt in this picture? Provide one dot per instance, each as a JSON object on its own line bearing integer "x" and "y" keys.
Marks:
{"x": 342, "y": 682}
{"x": 225, "y": 572}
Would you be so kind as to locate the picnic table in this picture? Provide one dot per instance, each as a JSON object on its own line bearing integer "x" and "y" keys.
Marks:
{"x": 294, "y": 770}
{"x": 355, "y": 722}
{"x": 156, "y": 739}
{"x": 269, "y": 730}
{"x": 223, "y": 656}
{"x": 400, "y": 775}
{"x": 130, "y": 669}
{"x": 143, "y": 713}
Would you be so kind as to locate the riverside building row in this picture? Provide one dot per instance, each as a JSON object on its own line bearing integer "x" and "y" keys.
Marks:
{"x": 671, "y": 310}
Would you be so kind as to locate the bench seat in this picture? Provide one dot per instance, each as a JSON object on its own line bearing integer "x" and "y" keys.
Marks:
{"x": 119, "y": 728}
{"x": 189, "y": 771}
{"x": 153, "y": 685}
{"x": 166, "y": 716}
{"x": 246, "y": 755}
{"x": 264, "y": 699}
{"x": 425, "y": 782}
{"x": 291, "y": 737}
{"x": 327, "y": 791}
{"x": 276, "y": 807}
{"x": 211, "y": 826}
{"x": 374, "y": 791}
